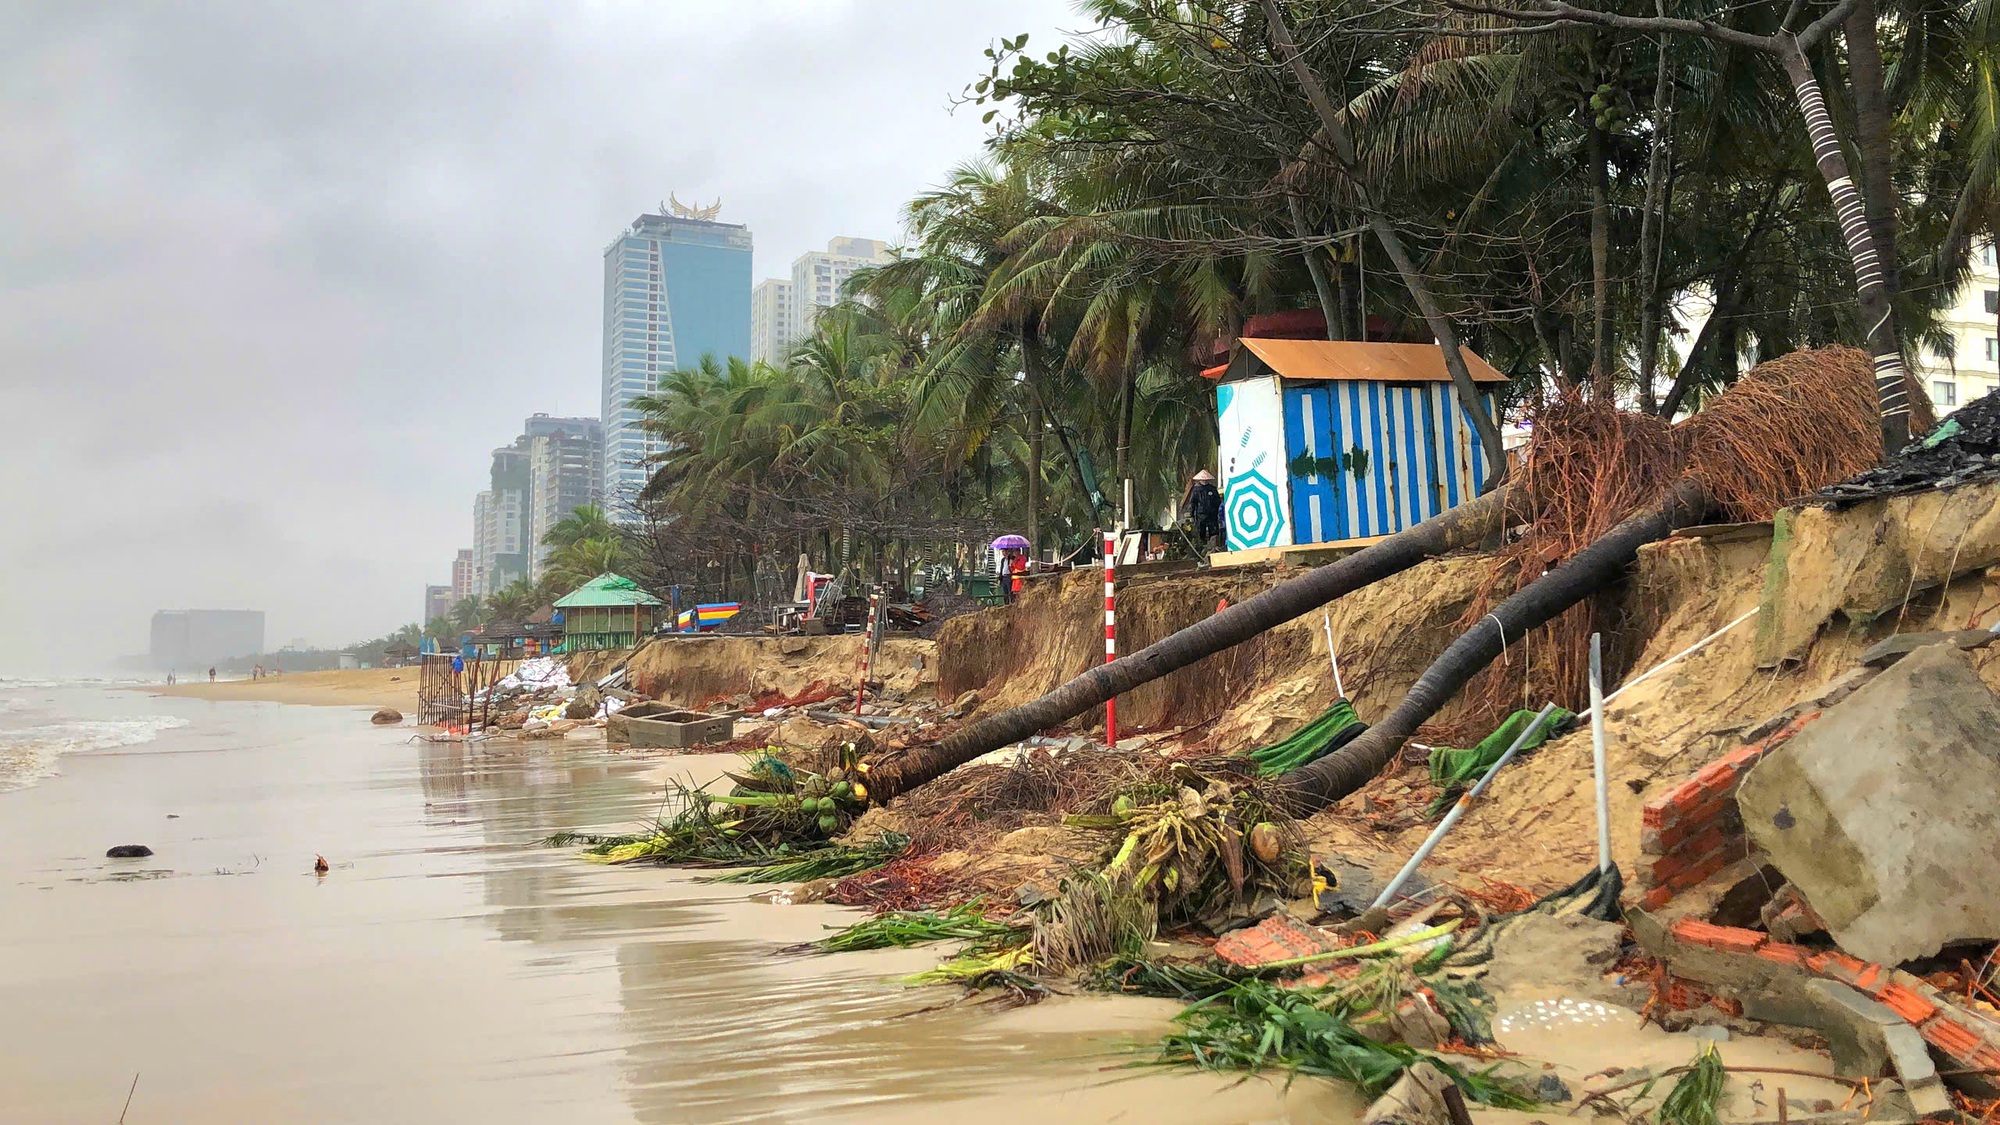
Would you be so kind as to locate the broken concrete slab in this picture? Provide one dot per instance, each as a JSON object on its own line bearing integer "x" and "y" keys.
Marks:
{"x": 1910, "y": 1058}
{"x": 1889, "y": 650}
{"x": 1881, "y": 810}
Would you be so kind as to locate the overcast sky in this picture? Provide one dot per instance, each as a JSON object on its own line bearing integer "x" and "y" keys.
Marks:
{"x": 275, "y": 277}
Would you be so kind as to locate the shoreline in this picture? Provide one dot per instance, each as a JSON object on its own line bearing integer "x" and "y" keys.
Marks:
{"x": 347, "y": 687}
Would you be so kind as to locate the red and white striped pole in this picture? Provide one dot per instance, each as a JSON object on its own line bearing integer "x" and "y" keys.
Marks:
{"x": 1110, "y": 631}
{"x": 868, "y": 648}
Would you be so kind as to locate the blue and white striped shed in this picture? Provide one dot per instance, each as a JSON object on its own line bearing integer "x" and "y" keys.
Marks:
{"x": 1327, "y": 440}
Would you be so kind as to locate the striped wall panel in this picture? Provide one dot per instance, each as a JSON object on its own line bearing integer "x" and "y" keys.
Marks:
{"x": 1367, "y": 459}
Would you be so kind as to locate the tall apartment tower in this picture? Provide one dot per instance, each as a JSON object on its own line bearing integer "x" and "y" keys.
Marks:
{"x": 818, "y": 277}
{"x": 676, "y": 289}
{"x": 464, "y": 576}
{"x": 771, "y": 327}
{"x": 565, "y": 461}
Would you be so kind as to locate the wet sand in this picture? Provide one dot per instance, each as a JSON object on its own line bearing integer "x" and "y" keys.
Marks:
{"x": 352, "y": 687}
{"x": 447, "y": 969}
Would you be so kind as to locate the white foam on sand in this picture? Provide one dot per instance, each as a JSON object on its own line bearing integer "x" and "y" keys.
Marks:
{"x": 29, "y": 754}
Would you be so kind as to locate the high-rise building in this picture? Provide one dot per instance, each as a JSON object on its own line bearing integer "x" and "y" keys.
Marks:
{"x": 438, "y": 601}
{"x": 464, "y": 576}
{"x": 771, "y": 329}
{"x": 676, "y": 289}
{"x": 1971, "y": 369}
{"x": 565, "y": 459}
{"x": 506, "y": 529}
{"x": 189, "y": 638}
{"x": 818, "y": 277}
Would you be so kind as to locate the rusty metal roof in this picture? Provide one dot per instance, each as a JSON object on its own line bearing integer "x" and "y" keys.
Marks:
{"x": 1364, "y": 362}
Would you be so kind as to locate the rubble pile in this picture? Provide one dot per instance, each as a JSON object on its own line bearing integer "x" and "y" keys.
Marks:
{"x": 1964, "y": 450}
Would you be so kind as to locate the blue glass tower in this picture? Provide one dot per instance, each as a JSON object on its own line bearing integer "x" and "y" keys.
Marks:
{"x": 675, "y": 289}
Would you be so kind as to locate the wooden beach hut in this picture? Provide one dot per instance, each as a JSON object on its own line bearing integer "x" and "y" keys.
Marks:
{"x": 609, "y": 611}
{"x": 1334, "y": 441}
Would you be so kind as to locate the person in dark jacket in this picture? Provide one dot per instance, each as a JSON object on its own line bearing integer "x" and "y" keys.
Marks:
{"x": 1204, "y": 507}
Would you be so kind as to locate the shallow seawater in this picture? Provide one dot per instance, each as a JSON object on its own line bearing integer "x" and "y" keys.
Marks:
{"x": 449, "y": 969}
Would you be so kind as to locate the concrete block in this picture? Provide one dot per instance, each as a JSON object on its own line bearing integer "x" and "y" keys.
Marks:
{"x": 1880, "y": 811}
{"x": 1888, "y": 651}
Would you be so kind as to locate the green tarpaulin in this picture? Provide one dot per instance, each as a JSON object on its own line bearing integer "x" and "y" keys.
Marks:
{"x": 1453, "y": 769}
{"x": 1336, "y": 727}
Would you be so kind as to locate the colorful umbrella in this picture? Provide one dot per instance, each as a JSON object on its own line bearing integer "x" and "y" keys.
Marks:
{"x": 1011, "y": 542}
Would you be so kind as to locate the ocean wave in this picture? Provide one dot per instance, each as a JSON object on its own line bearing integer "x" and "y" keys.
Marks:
{"x": 29, "y": 754}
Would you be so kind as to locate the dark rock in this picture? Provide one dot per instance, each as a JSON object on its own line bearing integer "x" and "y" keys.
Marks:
{"x": 129, "y": 851}
{"x": 386, "y": 717}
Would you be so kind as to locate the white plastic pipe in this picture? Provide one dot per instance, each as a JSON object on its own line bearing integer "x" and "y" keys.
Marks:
{"x": 1326, "y": 619}
{"x": 1597, "y": 751}
{"x": 1458, "y": 810}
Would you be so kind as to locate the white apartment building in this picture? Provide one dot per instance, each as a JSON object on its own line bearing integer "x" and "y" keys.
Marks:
{"x": 818, "y": 277}
{"x": 497, "y": 539}
{"x": 1972, "y": 370}
{"x": 771, "y": 327}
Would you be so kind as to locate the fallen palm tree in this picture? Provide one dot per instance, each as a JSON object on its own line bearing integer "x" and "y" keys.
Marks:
{"x": 1785, "y": 429}
{"x": 1462, "y": 527}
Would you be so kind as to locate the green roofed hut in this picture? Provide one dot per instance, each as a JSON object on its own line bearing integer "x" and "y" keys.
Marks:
{"x": 609, "y": 611}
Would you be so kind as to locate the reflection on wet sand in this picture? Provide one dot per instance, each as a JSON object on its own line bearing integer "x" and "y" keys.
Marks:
{"x": 448, "y": 968}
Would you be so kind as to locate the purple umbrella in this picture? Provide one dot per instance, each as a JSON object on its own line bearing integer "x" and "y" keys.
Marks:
{"x": 1011, "y": 542}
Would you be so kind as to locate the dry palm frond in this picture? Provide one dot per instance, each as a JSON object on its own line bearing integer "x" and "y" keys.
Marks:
{"x": 1092, "y": 919}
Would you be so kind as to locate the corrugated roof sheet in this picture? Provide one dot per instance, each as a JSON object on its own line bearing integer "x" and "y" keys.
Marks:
{"x": 606, "y": 590}
{"x": 1364, "y": 362}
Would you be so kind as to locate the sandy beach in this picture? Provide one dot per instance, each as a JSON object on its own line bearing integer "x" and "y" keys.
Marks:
{"x": 363, "y": 687}
{"x": 449, "y": 968}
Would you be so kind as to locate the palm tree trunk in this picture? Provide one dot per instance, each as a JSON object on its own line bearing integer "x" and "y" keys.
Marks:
{"x": 1874, "y": 152}
{"x": 1318, "y": 785}
{"x": 1034, "y": 529}
{"x": 1878, "y": 319}
{"x": 1127, "y": 395}
{"x": 1329, "y": 302}
{"x": 1460, "y": 527}
{"x": 1600, "y": 266}
{"x": 1652, "y": 222}
{"x": 1392, "y": 244}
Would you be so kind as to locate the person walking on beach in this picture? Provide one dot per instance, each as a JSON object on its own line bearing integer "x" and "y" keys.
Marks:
{"x": 211, "y": 675}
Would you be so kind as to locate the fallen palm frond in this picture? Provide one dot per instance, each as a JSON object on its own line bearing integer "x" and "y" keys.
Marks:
{"x": 1173, "y": 980}
{"x": 900, "y": 929}
{"x": 825, "y": 863}
{"x": 772, "y": 813}
{"x": 1697, "y": 1097}
{"x": 1257, "y": 1024}
{"x": 982, "y": 970}
{"x": 1091, "y": 919}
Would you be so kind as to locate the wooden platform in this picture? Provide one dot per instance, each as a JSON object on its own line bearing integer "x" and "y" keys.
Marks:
{"x": 1305, "y": 554}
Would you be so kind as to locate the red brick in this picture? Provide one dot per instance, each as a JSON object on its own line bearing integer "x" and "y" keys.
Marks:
{"x": 1784, "y": 953}
{"x": 1663, "y": 840}
{"x": 1654, "y": 813}
{"x": 1656, "y": 898}
{"x": 1698, "y": 874}
{"x": 1871, "y": 979}
{"x": 1743, "y": 757}
{"x": 1714, "y": 779}
{"x": 1907, "y": 1004}
{"x": 1730, "y": 939}
{"x": 1952, "y": 1039}
{"x": 1837, "y": 966}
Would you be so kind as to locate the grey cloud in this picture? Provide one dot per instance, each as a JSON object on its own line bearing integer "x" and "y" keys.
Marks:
{"x": 274, "y": 277}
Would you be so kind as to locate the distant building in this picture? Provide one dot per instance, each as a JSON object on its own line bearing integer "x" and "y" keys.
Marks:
{"x": 438, "y": 601}
{"x": 676, "y": 289}
{"x": 771, "y": 328}
{"x": 818, "y": 277}
{"x": 1972, "y": 369}
{"x": 506, "y": 556}
{"x": 464, "y": 576}
{"x": 188, "y": 638}
{"x": 565, "y": 460}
